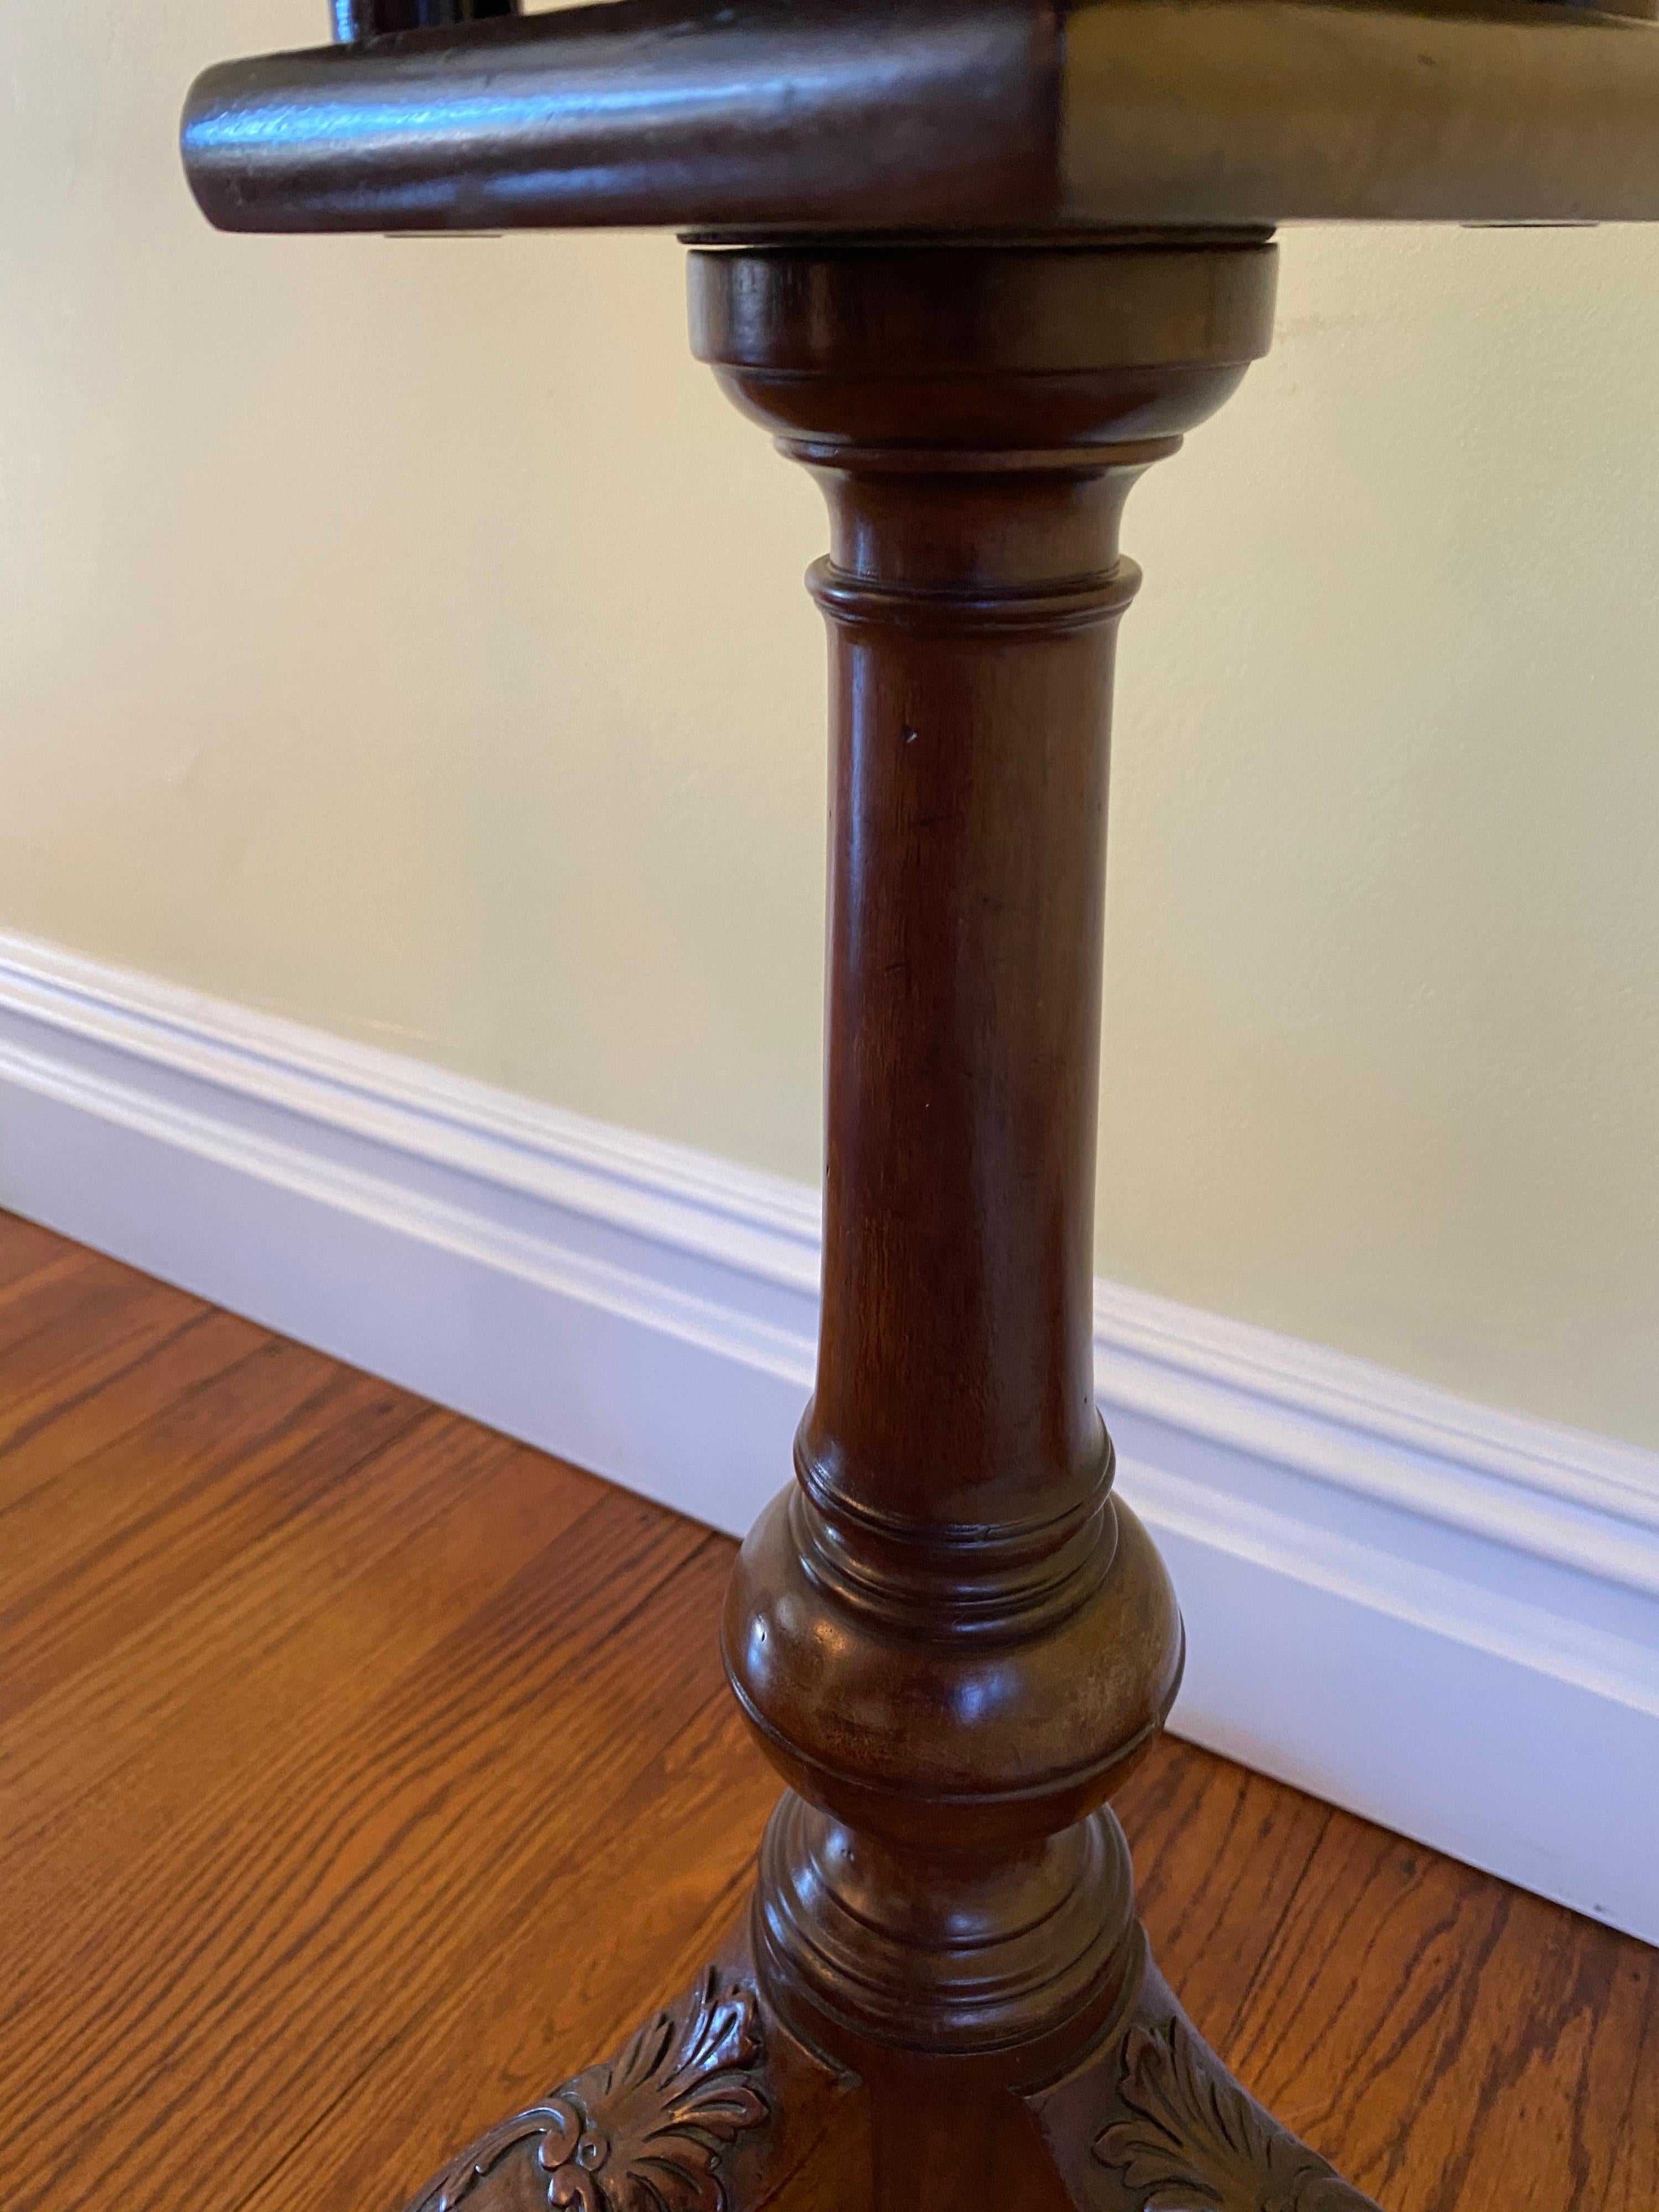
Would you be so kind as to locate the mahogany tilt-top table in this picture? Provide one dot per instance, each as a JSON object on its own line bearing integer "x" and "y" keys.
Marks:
{"x": 977, "y": 264}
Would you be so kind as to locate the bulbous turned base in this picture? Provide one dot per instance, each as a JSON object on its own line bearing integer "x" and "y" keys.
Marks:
{"x": 716, "y": 2105}
{"x": 973, "y": 1740}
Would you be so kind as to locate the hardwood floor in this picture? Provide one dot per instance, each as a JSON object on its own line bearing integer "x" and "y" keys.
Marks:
{"x": 338, "y": 1817}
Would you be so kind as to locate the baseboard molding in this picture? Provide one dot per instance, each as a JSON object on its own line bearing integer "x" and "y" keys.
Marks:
{"x": 1443, "y": 1617}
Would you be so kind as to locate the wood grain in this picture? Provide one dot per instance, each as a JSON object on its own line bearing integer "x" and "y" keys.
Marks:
{"x": 64, "y": 1394}
{"x": 362, "y": 1772}
{"x": 25, "y": 1247}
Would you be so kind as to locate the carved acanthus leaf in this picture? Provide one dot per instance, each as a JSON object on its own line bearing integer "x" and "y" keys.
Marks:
{"x": 643, "y": 2133}
{"x": 1189, "y": 2140}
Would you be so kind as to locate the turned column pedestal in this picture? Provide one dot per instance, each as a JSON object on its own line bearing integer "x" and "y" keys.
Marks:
{"x": 976, "y": 263}
{"x": 951, "y": 1637}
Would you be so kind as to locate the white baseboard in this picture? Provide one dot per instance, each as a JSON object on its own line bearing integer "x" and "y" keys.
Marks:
{"x": 1443, "y": 1617}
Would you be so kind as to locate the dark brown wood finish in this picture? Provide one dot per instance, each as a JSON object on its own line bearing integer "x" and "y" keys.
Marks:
{"x": 366, "y": 1987}
{"x": 358, "y": 21}
{"x": 1006, "y": 117}
{"x": 950, "y": 1638}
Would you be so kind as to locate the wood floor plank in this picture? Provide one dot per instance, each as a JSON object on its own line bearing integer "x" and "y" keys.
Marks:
{"x": 25, "y": 1246}
{"x": 1219, "y": 1855}
{"x": 566, "y": 1985}
{"x": 135, "y": 1481}
{"x": 107, "y": 1383}
{"x": 1473, "y": 2044}
{"x": 168, "y": 1673}
{"x": 273, "y": 1725}
{"x": 278, "y": 1944}
{"x": 1634, "y": 2178}
{"x": 118, "y": 1536}
{"x": 73, "y": 1283}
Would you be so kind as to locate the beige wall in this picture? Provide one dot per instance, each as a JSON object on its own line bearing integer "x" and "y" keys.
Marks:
{"x": 406, "y": 638}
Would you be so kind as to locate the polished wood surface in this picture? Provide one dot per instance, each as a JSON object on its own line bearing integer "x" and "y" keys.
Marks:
{"x": 362, "y": 1773}
{"x": 1006, "y": 117}
{"x": 951, "y": 1639}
